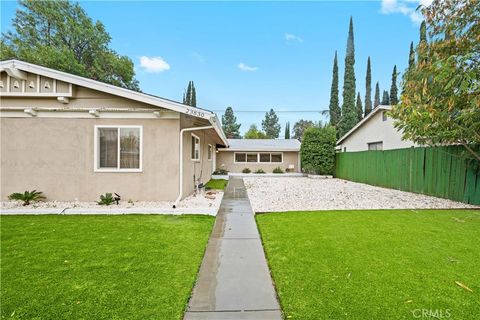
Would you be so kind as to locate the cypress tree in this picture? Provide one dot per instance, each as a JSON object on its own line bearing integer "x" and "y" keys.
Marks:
{"x": 287, "y": 130}
{"x": 188, "y": 94}
{"x": 334, "y": 107}
{"x": 359, "y": 107}
{"x": 423, "y": 32}
{"x": 393, "y": 88}
{"x": 349, "y": 114}
{"x": 411, "y": 57}
{"x": 230, "y": 125}
{"x": 376, "y": 102}
{"x": 193, "y": 98}
{"x": 368, "y": 89}
{"x": 385, "y": 98}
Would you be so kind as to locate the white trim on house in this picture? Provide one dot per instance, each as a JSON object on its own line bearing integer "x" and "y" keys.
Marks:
{"x": 210, "y": 151}
{"x": 104, "y": 113}
{"x": 199, "y": 148}
{"x": 96, "y": 158}
{"x": 16, "y": 65}
{"x": 363, "y": 121}
{"x": 258, "y": 157}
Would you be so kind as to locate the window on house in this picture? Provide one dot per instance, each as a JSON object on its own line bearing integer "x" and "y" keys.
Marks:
{"x": 384, "y": 116}
{"x": 375, "y": 145}
{"x": 277, "y": 157}
{"x": 240, "y": 157}
{"x": 252, "y": 157}
{"x": 210, "y": 152}
{"x": 195, "y": 154}
{"x": 344, "y": 149}
{"x": 118, "y": 148}
{"x": 264, "y": 157}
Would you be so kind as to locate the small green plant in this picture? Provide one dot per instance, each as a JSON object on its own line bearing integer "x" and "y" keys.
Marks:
{"x": 277, "y": 170}
{"x": 246, "y": 170}
{"x": 27, "y": 196}
{"x": 221, "y": 172}
{"x": 260, "y": 171}
{"x": 106, "y": 200}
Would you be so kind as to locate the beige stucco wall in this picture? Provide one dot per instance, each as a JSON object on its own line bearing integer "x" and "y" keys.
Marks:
{"x": 56, "y": 156}
{"x": 225, "y": 160}
{"x": 375, "y": 130}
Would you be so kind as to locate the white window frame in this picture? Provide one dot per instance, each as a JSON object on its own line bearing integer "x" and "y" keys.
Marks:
{"x": 96, "y": 158}
{"x": 199, "y": 149}
{"x": 210, "y": 152}
{"x": 258, "y": 157}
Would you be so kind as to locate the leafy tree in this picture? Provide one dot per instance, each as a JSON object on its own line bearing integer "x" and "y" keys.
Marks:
{"x": 440, "y": 101}
{"x": 423, "y": 32}
{"x": 359, "y": 107}
{"x": 190, "y": 95}
{"x": 287, "y": 130}
{"x": 229, "y": 124}
{"x": 411, "y": 57}
{"x": 368, "y": 89}
{"x": 299, "y": 128}
{"x": 393, "y": 89}
{"x": 254, "y": 133}
{"x": 60, "y": 35}
{"x": 349, "y": 113}
{"x": 334, "y": 107}
{"x": 270, "y": 125}
{"x": 318, "y": 150}
{"x": 385, "y": 98}
{"x": 376, "y": 101}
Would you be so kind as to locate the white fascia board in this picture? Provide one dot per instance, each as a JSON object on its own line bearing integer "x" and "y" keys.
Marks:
{"x": 114, "y": 90}
{"x": 258, "y": 150}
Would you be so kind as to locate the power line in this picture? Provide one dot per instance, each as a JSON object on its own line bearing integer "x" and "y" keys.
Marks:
{"x": 276, "y": 111}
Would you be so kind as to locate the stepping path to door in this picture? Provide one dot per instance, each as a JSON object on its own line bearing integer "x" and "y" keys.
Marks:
{"x": 234, "y": 280}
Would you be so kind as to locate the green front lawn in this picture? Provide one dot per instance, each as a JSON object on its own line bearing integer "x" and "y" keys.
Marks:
{"x": 218, "y": 184}
{"x": 388, "y": 264}
{"x": 100, "y": 267}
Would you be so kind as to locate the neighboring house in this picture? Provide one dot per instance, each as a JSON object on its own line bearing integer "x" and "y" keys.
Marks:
{"x": 265, "y": 154}
{"x": 75, "y": 138}
{"x": 374, "y": 132}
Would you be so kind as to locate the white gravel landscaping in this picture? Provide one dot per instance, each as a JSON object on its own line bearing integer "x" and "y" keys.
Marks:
{"x": 202, "y": 203}
{"x": 303, "y": 194}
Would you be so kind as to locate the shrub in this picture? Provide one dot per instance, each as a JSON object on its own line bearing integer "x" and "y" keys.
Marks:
{"x": 246, "y": 170}
{"x": 260, "y": 171}
{"x": 277, "y": 170}
{"x": 106, "y": 200}
{"x": 27, "y": 196}
{"x": 318, "y": 150}
{"x": 221, "y": 172}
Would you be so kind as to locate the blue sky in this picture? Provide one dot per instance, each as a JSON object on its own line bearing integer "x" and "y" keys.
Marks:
{"x": 254, "y": 55}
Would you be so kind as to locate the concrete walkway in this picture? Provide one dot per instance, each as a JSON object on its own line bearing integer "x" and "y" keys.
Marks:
{"x": 234, "y": 280}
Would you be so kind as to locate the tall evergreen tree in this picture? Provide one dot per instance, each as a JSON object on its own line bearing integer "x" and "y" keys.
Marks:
{"x": 423, "y": 32}
{"x": 193, "y": 99}
{"x": 229, "y": 124}
{"x": 270, "y": 125}
{"x": 334, "y": 107}
{"x": 376, "y": 101}
{"x": 411, "y": 57}
{"x": 385, "y": 98}
{"x": 368, "y": 89}
{"x": 359, "y": 107}
{"x": 393, "y": 88}
{"x": 349, "y": 114}
{"x": 190, "y": 95}
{"x": 287, "y": 130}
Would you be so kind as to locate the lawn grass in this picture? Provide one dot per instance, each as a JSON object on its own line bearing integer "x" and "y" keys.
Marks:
{"x": 218, "y": 184}
{"x": 100, "y": 267}
{"x": 384, "y": 264}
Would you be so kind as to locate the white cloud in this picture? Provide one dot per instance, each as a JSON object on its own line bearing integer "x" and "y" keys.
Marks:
{"x": 405, "y": 7}
{"x": 244, "y": 67}
{"x": 292, "y": 37}
{"x": 154, "y": 64}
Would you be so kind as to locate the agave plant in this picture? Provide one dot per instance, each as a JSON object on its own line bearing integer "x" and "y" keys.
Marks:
{"x": 106, "y": 199}
{"x": 27, "y": 196}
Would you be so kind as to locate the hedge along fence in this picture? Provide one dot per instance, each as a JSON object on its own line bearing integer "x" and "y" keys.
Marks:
{"x": 438, "y": 171}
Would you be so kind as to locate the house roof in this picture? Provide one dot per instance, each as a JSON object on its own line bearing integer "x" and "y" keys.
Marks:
{"x": 363, "y": 121}
{"x": 263, "y": 145}
{"x": 12, "y": 67}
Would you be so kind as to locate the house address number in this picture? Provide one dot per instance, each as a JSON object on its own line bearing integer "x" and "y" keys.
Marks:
{"x": 195, "y": 113}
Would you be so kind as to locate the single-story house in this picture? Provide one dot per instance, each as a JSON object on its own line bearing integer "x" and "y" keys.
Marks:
{"x": 374, "y": 132}
{"x": 255, "y": 154}
{"x": 74, "y": 138}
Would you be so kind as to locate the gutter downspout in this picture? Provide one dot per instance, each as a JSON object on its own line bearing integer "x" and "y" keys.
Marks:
{"x": 180, "y": 190}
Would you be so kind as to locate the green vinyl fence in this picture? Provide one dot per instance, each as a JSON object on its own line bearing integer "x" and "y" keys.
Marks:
{"x": 438, "y": 171}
